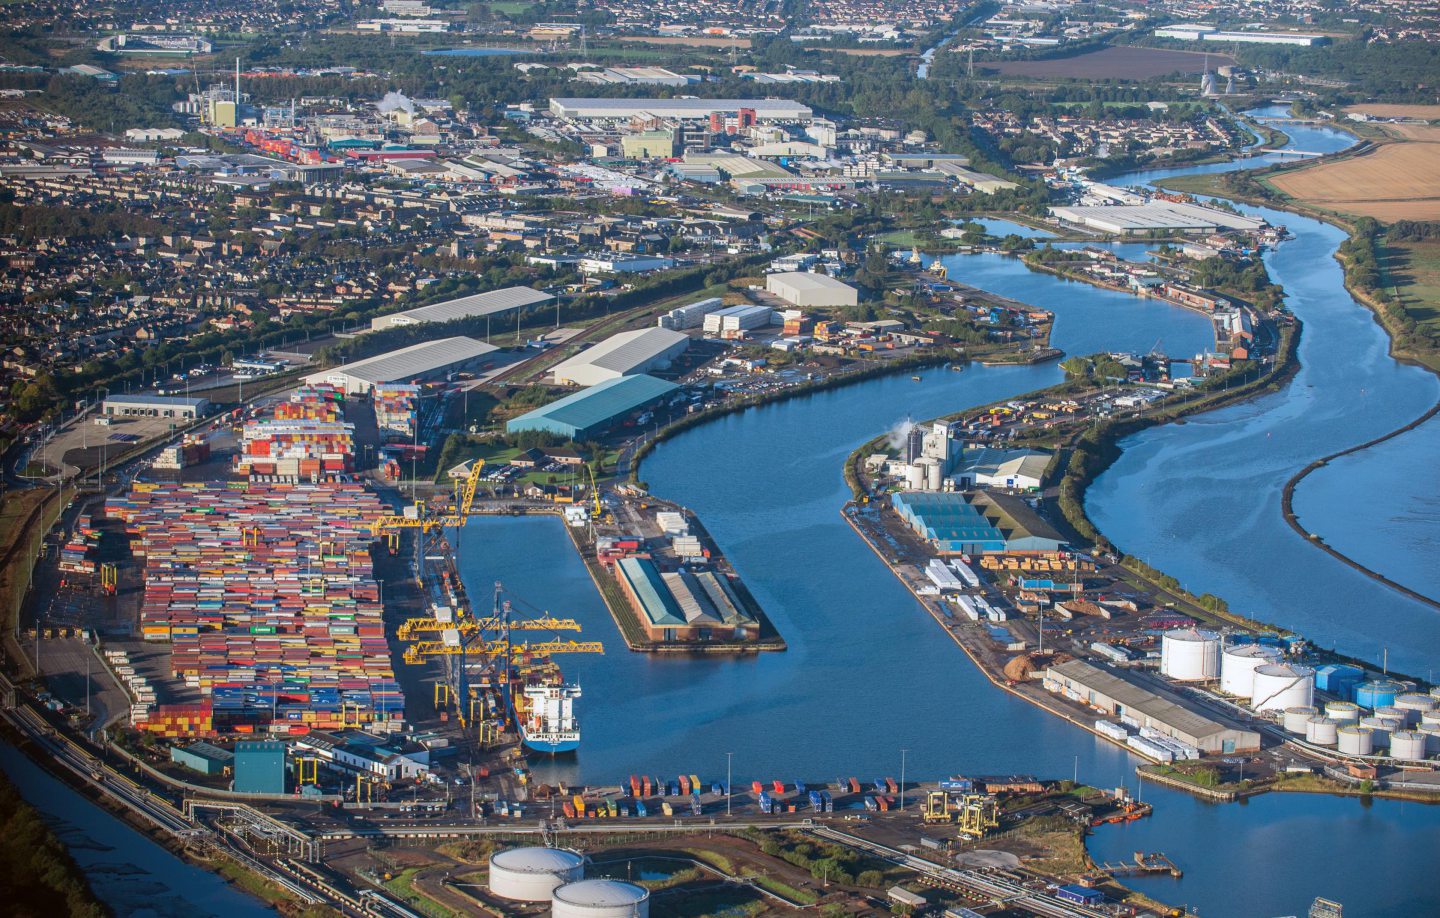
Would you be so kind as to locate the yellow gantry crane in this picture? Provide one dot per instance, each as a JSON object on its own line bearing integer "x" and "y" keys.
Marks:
{"x": 452, "y": 643}
{"x": 414, "y": 517}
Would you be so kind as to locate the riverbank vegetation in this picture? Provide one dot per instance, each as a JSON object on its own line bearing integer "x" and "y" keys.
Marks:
{"x": 1397, "y": 269}
{"x": 40, "y": 879}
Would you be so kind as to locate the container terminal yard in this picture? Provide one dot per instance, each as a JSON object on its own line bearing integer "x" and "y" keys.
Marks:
{"x": 1221, "y": 706}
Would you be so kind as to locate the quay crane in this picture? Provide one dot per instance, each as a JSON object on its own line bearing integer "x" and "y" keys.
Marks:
{"x": 488, "y": 641}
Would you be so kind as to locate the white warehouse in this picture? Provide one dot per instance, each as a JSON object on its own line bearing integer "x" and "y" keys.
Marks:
{"x": 801, "y": 288}
{"x": 481, "y": 304}
{"x": 731, "y": 321}
{"x": 624, "y": 354}
{"x": 426, "y": 360}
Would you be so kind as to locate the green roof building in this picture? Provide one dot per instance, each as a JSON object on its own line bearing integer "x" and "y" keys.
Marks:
{"x": 593, "y": 411}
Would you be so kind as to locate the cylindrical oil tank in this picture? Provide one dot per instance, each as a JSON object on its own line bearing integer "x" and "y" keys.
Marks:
{"x": 600, "y": 899}
{"x": 1431, "y": 732}
{"x": 1321, "y": 731}
{"x": 532, "y": 874}
{"x": 1378, "y": 693}
{"x": 1435, "y": 691}
{"x": 1342, "y": 710}
{"x": 1283, "y": 685}
{"x": 1191, "y": 655}
{"x": 1391, "y": 712}
{"x": 1237, "y": 667}
{"x": 1354, "y": 739}
{"x": 1380, "y": 730}
{"x": 1407, "y": 744}
{"x": 1296, "y": 717}
{"x": 1416, "y": 704}
{"x": 1430, "y": 717}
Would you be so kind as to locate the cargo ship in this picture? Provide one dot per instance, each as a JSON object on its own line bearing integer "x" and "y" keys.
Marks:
{"x": 547, "y": 718}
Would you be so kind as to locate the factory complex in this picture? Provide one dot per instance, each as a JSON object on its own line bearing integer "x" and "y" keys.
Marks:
{"x": 429, "y": 359}
{"x": 494, "y": 302}
{"x": 975, "y": 522}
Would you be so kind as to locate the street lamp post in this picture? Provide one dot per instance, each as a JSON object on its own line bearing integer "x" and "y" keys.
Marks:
{"x": 729, "y": 790}
{"x": 902, "y": 779}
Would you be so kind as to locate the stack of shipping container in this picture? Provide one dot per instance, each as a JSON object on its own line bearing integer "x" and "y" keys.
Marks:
{"x": 267, "y": 596}
{"x": 306, "y": 438}
{"x": 395, "y": 410}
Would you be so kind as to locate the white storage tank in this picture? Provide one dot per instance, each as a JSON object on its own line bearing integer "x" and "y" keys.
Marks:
{"x": 1296, "y": 718}
{"x": 1431, "y": 732}
{"x": 600, "y": 899}
{"x": 1430, "y": 717}
{"x": 1407, "y": 744}
{"x": 1380, "y": 730}
{"x": 1390, "y": 712}
{"x": 1321, "y": 731}
{"x": 532, "y": 874}
{"x": 915, "y": 477}
{"x": 1343, "y": 710}
{"x": 1435, "y": 692}
{"x": 1416, "y": 704}
{"x": 1354, "y": 739}
{"x": 1191, "y": 655}
{"x": 1283, "y": 685}
{"x": 1237, "y": 667}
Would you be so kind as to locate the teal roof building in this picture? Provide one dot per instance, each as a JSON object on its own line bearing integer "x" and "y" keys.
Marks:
{"x": 593, "y": 411}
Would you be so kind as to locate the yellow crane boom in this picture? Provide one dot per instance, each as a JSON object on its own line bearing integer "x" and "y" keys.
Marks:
{"x": 415, "y": 517}
{"x": 420, "y": 651}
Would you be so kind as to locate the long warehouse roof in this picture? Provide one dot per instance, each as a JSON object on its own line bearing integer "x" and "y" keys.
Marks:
{"x": 479, "y": 304}
{"x": 1137, "y": 698}
{"x": 601, "y": 402}
{"x": 810, "y": 281}
{"x": 675, "y": 108}
{"x": 409, "y": 362}
{"x": 623, "y": 352}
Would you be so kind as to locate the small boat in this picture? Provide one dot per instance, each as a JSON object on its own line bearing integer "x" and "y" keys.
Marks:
{"x": 916, "y": 378}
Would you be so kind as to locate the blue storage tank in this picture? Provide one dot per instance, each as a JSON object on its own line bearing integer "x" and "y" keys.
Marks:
{"x": 1377, "y": 693}
{"x": 1338, "y": 678}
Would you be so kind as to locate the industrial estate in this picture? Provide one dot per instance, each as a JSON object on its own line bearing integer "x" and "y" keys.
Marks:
{"x": 319, "y": 320}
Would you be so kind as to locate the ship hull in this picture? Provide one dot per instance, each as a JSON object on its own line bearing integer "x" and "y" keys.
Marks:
{"x": 550, "y": 743}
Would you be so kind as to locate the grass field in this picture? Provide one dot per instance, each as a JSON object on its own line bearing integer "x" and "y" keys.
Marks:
{"x": 1396, "y": 181}
{"x": 1426, "y": 112}
{"x": 1119, "y": 62}
{"x": 1412, "y": 271}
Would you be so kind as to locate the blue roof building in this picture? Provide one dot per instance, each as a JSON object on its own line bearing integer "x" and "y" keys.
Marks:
{"x": 260, "y": 767}
{"x": 975, "y": 522}
{"x": 206, "y": 758}
{"x": 593, "y": 411}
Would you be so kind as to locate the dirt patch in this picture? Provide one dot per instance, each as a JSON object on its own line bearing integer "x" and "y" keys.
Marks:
{"x": 1397, "y": 181}
{"x": 1124, "y": 63}
{"x": 1425, "y": 112}
{"x": 693, "y": 41}
{"x": 1425, "y": 133}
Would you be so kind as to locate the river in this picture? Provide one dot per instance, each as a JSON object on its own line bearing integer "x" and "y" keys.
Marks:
{"x": 868, "y": 673}
{"x": 133, "y": 875}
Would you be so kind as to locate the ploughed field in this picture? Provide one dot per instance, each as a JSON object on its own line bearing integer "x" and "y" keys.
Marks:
{"x": 1423, "y": 112}
{"x": 1396, "y": 181}
{"x": 1119, "y": 62}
